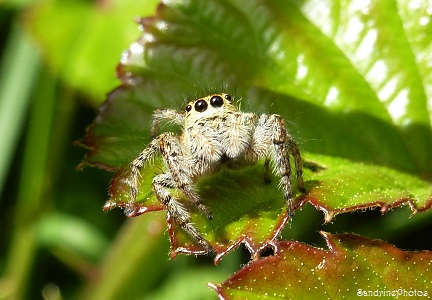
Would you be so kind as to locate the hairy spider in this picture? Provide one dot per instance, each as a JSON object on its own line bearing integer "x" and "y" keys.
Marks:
{"x": 214, "y": 133}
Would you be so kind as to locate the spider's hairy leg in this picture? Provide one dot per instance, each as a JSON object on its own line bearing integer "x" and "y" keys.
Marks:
{"x": 137, "y": 164}
{"x": 283, "y": 146}
{"x": 163, "y": 114}
{"x": 180, "y": 168}
{"x": 281, "y": 158}
{"x": 295, "y": 152}
{"x": 161, "y": 185}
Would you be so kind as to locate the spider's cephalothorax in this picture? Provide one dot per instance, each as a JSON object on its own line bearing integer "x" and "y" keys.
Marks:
{"x": 214, "y": 132}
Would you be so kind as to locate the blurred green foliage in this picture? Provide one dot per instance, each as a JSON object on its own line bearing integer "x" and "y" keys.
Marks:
{"x": 54, "y": 237}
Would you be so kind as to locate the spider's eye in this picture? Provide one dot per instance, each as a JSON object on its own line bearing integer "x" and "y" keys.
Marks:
{"x": 201, "y": 105}
{"x": 216, "y": 101}
{"x": 228, "y": 97}
{"x": 188, "y": 107}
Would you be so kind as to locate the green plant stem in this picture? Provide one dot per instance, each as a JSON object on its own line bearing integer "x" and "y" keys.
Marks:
{"x": 32, "y": 189}
{"x": 136, "y": 261}
{"x": 20, "y": 64}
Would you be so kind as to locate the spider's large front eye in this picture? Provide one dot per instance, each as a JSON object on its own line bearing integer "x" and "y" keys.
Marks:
{"x": 216, "y": 101}
{"x": 201, "y": 105}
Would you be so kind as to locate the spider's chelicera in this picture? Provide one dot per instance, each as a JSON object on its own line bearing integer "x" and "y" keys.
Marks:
{"x": 215, "y": 133}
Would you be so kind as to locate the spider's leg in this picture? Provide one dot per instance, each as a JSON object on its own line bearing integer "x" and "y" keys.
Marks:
{"x": 271, "y": 141}
{"x": 161, "y": 185}
{"x": 180, "y": 169}
{"x": 172, "y": 153}
{"x": 132, "y": 209}
{"x": 163, "y": 114}
{"x": 281, "y": 158}
{"x": 295, "y": 152}
{"x": 271, "y": 131}
{"x": 188, "y": 190}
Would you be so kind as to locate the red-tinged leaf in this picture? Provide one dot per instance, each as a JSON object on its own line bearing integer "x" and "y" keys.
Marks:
{"x": 248, "y": 210}
{"x": 340, "y": 189}
{"x": 245, "y": 208}
{"x": 352, "y": 266}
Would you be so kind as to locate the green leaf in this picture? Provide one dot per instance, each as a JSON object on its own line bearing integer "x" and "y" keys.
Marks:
{"x": 339, "y": 189}
{"x": 86, "y": 61}
{"x": 308, "y": 77}
{"x": 352, "y": 266}
{"x": 183, "y": 285}
{"x": 349, "y": 78}
{"x": 71, "y": 235}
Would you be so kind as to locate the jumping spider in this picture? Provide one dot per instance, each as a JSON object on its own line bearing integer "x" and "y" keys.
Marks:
{"x": 215, "y": 133}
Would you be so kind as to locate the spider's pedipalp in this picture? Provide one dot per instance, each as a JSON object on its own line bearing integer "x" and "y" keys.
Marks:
{"x": 163, "y": 114}
{"x": 237, "y": 136}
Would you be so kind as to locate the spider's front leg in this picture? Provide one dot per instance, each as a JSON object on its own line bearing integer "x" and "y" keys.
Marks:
{"x": 179, "y": 177}
{"x": 284, "y": 146}
{"x": 132, "y": 209}
{"x": 180, "y": 169}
